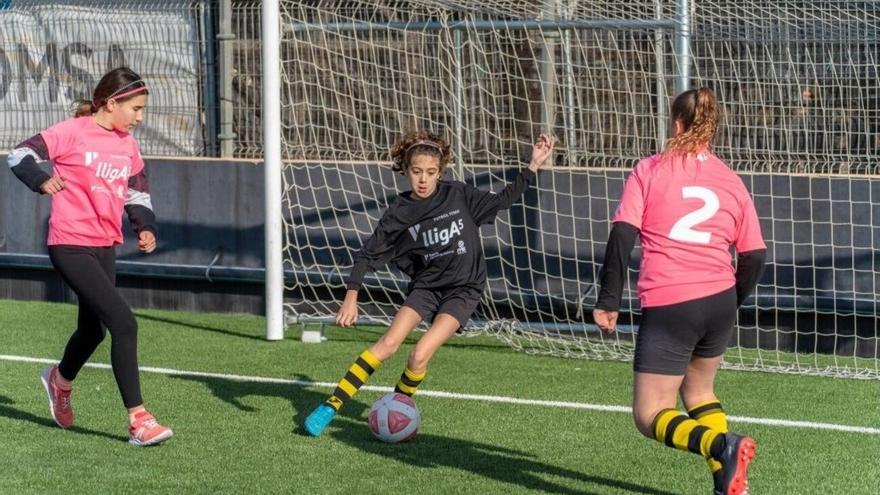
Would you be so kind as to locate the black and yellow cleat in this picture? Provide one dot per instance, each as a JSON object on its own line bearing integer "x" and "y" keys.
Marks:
{"x": 738, "y": 453}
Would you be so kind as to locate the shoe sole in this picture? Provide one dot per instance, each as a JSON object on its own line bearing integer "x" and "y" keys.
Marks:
{"x": 153, "y": 441}
{"x": 44, "y": 378}
{"x": 744, "y": 455}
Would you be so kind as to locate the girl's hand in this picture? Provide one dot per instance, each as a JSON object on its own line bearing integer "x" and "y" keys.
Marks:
{"x": 606, "y": 320}
{"x": 541, "y": 151}
{"x": 146, "y": 241}
{"x": 53, "y": 185}
{"x": 348, "y": 313}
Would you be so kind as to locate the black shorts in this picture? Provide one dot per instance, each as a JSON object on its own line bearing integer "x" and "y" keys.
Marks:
{"x": 670, "y": 335}
{"x": 458, "y": 302}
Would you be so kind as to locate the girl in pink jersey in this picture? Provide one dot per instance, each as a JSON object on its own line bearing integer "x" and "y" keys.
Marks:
{"x": 97, "y": 173}
{"x": 688, "y": 208}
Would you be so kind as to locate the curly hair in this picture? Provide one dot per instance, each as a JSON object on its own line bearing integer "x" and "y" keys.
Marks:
{"x": 697, "y": 110}
{"x": 421, "y": 142}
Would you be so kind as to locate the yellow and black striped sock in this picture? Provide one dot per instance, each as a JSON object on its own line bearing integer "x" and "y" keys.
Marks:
{"x": 711, "y": 414}
{"x": 409, "y": 381}
{"x": 677, "y": 430}
{"x": 358, "y": 374}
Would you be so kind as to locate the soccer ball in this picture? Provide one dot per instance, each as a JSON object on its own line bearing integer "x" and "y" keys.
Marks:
{"x": 394, "y": 418}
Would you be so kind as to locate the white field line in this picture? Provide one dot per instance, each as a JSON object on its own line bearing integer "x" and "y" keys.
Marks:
{"x": 809, "y": 425}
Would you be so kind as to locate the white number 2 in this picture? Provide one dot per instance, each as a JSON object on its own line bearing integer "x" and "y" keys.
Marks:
{"x": 683, "y": 229}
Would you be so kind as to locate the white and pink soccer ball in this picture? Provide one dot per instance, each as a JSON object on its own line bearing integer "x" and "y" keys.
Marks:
{"x": 394, "y": 418}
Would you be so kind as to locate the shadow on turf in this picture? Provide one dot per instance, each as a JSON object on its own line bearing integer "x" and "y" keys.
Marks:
{"x": 222, "y": 331}
{"x": 7, "y": 411}
{"x": 427, "y": 451}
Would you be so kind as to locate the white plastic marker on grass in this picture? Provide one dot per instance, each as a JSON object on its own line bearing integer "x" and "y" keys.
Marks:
{"x": 807, "y": 425}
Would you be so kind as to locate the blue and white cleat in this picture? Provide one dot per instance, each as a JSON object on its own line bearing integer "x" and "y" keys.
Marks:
{"x": 319, "y": 419}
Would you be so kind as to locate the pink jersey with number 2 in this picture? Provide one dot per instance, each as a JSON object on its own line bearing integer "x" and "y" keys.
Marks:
{"x": 96, "y": 165}
{"x": 689, "y": 211}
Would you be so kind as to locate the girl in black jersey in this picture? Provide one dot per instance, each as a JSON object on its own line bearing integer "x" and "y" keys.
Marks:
{"x": 432, "y": 234}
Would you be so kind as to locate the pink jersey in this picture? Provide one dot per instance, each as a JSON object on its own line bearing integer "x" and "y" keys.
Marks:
{"x": 95, "y": 164}
{"x": 689, "y": 212}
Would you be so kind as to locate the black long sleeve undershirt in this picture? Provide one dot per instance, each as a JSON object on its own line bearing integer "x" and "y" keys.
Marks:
{"x": 24, "y": 162}
{"x": 30, "y": 174}
{"x": 141, "y": 218}
{"x": 749, "y": 268}
{"x": 613, "y": 274}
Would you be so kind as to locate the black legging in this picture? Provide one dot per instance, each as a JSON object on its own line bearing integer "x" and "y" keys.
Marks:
{"x": 91, "y": 273}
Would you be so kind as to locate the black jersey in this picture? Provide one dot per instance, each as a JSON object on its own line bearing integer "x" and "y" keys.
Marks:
{"x": 436, "y": 240}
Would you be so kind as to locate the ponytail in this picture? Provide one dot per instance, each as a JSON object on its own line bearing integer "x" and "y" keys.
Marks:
{"x": 697, "y": 111}
{"x": 84, "y": 108}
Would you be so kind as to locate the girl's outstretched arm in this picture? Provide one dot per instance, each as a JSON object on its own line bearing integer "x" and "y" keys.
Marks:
{"x": 485, "y": 205}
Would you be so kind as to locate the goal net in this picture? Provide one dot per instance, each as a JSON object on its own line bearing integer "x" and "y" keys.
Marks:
{"x": 798, "y": 85}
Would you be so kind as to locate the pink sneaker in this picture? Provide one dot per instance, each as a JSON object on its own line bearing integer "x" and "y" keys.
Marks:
{"x": 59, "y": 400}
{"x": 147, "y": 431}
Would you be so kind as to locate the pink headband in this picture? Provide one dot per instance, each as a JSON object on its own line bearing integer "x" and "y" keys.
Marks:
{"x": 131, "y": 92}
{"x": 425, "y": 142}
{"x": 119, "y": 92}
